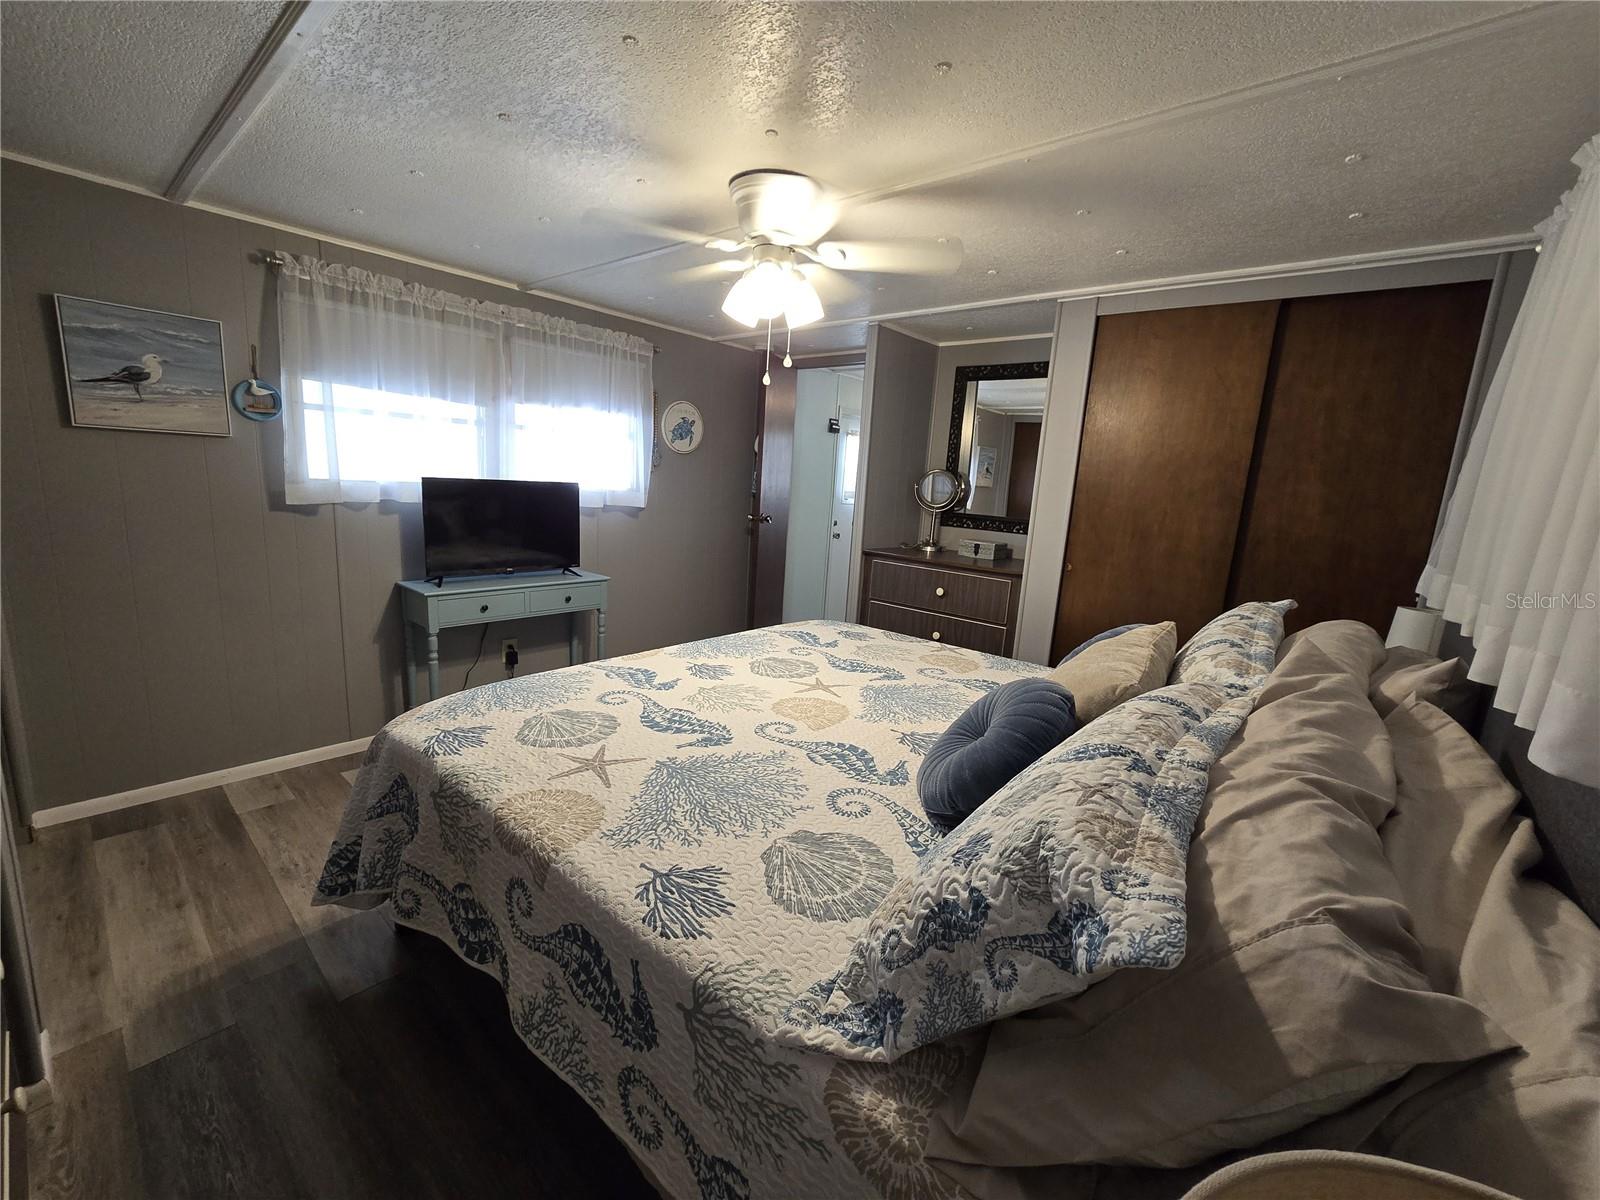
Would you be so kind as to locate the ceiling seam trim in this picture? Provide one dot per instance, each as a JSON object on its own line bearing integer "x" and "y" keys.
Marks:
{"x": 1376, "y": 258}
{"x": 1187, "y": 110}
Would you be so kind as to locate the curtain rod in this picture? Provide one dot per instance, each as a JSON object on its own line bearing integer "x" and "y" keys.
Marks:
{"x": 271, "y": 258}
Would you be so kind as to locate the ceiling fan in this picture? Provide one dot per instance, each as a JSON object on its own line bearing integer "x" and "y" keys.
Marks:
{"x": 785, "y": 217}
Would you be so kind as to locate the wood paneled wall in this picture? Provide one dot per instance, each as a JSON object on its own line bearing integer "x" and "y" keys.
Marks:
{"x": 168, "y": 613}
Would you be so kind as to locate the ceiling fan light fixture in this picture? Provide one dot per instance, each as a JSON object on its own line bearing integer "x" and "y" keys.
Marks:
{"x": 758, "y": 295}
{"x": 802, "y": 305}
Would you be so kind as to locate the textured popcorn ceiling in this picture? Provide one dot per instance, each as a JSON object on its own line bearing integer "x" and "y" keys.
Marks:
{"x": 1199, "y": 137}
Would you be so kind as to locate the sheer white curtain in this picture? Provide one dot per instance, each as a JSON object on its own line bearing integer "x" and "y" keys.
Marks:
{"x": 385, "y": 382}
{"x": 1517, "y": 560}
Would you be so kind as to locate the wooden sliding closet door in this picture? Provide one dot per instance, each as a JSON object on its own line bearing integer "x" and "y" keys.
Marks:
{"x": 1168, "y": 431}
{"x": 1357, "y": 429}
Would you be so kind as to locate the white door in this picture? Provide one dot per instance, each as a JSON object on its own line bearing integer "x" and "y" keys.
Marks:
{"x": 847, "y": 456}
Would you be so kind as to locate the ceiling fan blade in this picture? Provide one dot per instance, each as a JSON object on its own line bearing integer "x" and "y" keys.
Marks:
{"x": 912, "y": 256}
{"x": 656, "y": 229}
{"x": 706, "y": 271}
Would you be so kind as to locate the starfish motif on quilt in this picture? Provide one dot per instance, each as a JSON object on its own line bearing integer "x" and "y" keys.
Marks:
{"x": 816, "y": 685}
{"x": 598, "y": 764}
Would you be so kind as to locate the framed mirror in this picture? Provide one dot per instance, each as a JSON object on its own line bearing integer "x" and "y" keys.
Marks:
{"x": 996, "y": 417}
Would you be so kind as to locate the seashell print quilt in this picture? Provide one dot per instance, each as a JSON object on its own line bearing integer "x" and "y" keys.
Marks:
{"x": 662, "y": 858}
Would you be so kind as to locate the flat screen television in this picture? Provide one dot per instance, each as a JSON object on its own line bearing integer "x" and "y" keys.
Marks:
{"x": 498, "y": 526}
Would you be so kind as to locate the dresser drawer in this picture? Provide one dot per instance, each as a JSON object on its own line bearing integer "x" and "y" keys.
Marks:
{"x": 973, "y": 596}
{"x": 485, "y": 606}
{"x": 936, "y": 627}
{"x": 579, "y": 595}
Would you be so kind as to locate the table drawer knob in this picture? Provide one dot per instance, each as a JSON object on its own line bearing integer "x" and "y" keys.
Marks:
{"x": 483, "y": 608}
{"x": 938, "y": 591}
{"x": 569, "y": 599}
{"x": 936, "y": 635}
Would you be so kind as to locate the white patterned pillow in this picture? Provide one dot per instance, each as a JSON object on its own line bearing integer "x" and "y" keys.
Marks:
{"x": 1240, "y": 646}
{"x": 1073, "y": 870}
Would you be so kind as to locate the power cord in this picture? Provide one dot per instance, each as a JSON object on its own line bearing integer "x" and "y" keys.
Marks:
{"x": 482, "y": 638}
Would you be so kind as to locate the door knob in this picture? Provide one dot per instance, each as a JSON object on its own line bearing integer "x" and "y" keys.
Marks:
{"x": 765, "y": 519}
{"x": 1069, "y": 567}
{"x": 836, "y": 537}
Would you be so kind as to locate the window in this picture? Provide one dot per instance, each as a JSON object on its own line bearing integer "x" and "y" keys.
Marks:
{"x": 386, "y": 382}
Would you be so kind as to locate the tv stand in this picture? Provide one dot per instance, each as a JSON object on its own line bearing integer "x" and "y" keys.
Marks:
{"x": 429, "y": 605}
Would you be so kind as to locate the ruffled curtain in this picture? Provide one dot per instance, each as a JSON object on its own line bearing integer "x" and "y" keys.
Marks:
{"x": 386, "y": 381}
{"x": 1517, "y": 559}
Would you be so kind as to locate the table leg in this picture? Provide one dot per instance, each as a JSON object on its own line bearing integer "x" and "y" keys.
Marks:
{"x": 599, "y": 633}
{"x": 572, "y": 639}
{"x": 433, "y": 665}
{"x": 410, "y": 633}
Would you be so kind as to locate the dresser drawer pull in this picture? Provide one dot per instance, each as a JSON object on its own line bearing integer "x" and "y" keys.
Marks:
{"x": 569, "y": 599}
{"x": 938, "y": 591}
{"x": 935, "y": 635}
{"x": 483, "y": 608}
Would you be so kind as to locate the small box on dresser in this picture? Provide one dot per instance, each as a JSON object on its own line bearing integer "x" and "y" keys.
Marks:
{"x": 943, "y": 596}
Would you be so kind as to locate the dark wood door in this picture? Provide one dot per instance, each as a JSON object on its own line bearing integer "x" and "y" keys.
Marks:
{"x": 1357, "y": 429}
{"x": 1024, "y": 465}
{"x": 769, "y": 518}
{"x": 1169, "y": 427}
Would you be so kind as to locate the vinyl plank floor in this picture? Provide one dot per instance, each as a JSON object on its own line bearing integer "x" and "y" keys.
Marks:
{"x": 84, "y": 1145}
{"x": 247, "y": 795}
{"x": 160, "y": 956}
{"x": 321, "y": 1084}
{"x": 216, "y": 1036}
{"x": 207, "y": 1129}
{"x": 249, "y": 927}
{"x": 293, "y": 838}
{"x": 78, "y": 992}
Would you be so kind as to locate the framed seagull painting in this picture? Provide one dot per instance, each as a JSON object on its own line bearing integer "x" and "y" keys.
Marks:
{"x": 136, "y": 368}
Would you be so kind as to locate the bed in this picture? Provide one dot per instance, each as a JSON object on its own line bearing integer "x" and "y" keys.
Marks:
{"x": 659, "y": 857}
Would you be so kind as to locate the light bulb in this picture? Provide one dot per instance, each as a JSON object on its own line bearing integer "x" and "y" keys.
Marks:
{"x": 758, "y": 295}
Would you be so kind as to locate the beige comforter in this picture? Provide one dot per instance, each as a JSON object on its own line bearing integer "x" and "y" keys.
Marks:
{"x": 1525, "y": 1120}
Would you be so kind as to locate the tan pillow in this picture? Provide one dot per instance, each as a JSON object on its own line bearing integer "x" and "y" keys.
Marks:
{"x": 1118, "y": 669}
{"x": 1301, "y": 990}
{"x": 1335, "y": 1175}
{"x": 1405, "y": 672}
{"x": 1528, "y": 1123}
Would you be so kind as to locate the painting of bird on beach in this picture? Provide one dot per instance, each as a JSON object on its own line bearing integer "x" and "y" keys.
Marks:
{"x": 135, "y": 368}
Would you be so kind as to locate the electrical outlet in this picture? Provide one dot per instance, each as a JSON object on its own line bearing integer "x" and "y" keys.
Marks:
{"x": 507, "y": 649}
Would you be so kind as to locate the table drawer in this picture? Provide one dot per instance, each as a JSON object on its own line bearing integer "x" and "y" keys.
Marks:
{"x": 976, "y": 597}
{"x": 485, "y": 606}
{"x": 937, "y": 627}
{"x": 579, "y": 595}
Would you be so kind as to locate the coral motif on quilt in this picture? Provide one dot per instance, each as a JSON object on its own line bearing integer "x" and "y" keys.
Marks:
{"x": 684, "y": 869}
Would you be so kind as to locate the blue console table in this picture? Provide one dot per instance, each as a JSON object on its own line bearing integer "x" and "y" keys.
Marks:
{"x": 427, "y": 608}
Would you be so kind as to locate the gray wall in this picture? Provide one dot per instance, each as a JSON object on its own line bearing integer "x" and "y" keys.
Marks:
{"x": 894, "y": 436}
{"x": 944, "y": 385}
{"x": 169, "y": 615}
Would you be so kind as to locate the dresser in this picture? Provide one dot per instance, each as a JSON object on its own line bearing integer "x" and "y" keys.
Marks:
{"x": 943, "y": 597}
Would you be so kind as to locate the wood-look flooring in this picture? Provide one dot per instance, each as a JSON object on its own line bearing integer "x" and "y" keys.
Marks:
{"x": 216, "y": 1036}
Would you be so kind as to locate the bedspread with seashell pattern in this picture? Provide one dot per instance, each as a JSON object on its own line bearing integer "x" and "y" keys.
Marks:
{"x": 655, "y": 855}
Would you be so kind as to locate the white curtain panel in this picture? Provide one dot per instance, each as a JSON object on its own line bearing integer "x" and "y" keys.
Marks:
{"x": 1517, "y": 559}
{"x": 385, "y": 382}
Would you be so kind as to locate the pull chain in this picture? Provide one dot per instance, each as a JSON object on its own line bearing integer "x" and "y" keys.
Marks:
{"x": 766, "y": 374}
{"x": 788, "y": 340}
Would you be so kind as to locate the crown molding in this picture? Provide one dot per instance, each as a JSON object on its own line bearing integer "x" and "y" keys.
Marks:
{"x": 366, "y": 247}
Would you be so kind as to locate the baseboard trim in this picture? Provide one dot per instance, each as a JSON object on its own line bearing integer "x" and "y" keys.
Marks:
{"x": 80, "y": 810}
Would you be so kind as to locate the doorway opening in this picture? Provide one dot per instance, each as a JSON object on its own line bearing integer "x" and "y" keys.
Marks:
{"x": 822, "y": 495}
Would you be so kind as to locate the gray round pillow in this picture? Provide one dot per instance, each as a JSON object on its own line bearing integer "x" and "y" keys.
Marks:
{"x": 1004, "y": 731}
